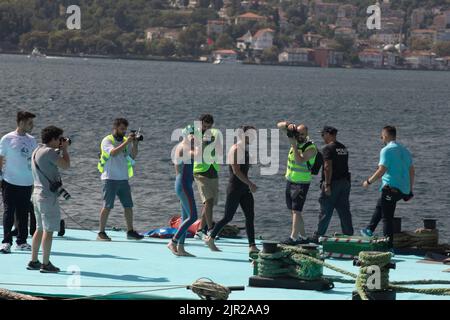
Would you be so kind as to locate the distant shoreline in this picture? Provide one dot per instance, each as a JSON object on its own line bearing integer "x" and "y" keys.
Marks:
{"x": 187, "y": 59}
{"x": 111, "y": 57}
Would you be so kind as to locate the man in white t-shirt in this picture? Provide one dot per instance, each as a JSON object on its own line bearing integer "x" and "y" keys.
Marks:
{"x": 116, "y": 167}
{"x": 16, "y": 149}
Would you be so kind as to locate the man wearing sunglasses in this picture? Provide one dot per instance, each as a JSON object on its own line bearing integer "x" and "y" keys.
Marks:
{"x": 396, "y": 171}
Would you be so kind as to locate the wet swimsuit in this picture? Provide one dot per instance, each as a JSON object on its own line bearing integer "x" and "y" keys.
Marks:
{"x": 238, "y": 193}
{"x": 183, "y": 188}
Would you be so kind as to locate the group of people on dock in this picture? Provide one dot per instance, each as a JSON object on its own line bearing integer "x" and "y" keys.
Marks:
{"x": 30, "y": 171}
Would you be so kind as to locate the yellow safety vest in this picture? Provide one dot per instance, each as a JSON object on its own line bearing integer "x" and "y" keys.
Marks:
{"x": 200, "y": 167}
{"x": 104, "y": 157}
{"x": 299, "y": 172}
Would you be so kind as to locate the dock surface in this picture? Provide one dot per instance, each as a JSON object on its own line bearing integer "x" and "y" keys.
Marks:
{"x": 126, "y": 269}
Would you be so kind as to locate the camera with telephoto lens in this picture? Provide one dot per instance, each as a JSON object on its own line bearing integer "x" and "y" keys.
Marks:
{"x": 292, "y": 133}
{"x": 139, "y": 137}
{"x": 56, "y": 187}
{"x": 65, "y": 139}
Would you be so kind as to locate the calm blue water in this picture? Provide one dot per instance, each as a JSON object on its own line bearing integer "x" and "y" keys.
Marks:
{"x": 84, "y": 96}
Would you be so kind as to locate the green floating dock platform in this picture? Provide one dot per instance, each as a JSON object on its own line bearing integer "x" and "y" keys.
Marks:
{"x": 125, "y": 269}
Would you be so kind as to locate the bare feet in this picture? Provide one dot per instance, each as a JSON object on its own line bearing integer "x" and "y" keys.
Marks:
{"x": 182, "y": 252}
{"x": 211, "y": 245}
{"x": 253, "y": 249}
{"x": 172, "y": 247}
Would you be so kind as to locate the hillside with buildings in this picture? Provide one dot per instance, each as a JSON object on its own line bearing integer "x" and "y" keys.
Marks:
{"x": 413, "y": 34}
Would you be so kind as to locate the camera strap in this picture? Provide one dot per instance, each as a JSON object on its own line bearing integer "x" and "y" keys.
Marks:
{"x": 39, "y": 169}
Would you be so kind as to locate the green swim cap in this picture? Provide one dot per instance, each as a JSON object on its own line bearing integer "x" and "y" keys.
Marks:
{"x": 189, "y": 129}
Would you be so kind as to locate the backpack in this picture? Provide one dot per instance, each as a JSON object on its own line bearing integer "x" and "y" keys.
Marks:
{"x": 315, "y": 168}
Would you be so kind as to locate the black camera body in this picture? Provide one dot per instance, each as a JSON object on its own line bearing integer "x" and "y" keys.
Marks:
{"x": 65, "y": 139}
{"x": 139, "y": 137}
{"x": 292, "y": 133}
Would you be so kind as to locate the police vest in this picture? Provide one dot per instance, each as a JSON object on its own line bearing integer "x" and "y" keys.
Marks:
{"x": 299, "y": 172}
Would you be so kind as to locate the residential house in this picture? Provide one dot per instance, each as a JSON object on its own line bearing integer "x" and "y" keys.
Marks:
{"x": 244, "y": 42}
{"x": 296, "y": 56}
{"x": 249, "y": 17}
{"x": 312, "y": 38}
{"x": 193, "y": 4}
{"x": 263, "y": 39}
{"x": 345, "y": 33}
{"x": 327, "y": 43}
{"x": 439, "y": 22}
{"x": 385, "y": 37}
{"x": 443, "y": 63}
{"x": 245, "y": 5}
{"x": 344, "y": 23}
{"x": 225, "y": 55}
{"x": 391, "y": 59}
{"x": 162, "y": 33}
{"x": 223, "y": 14}
{"x": 372, "y": 57}
{"x": 424, "y": 34}
{"x": 443, "y": 35}
{"x": 420, "y": 59}
{"x": 391, "y": 24}
{"x": 324, "y": 10}
{"x": 324, "y": 57}
{"x": 215, "y": 27}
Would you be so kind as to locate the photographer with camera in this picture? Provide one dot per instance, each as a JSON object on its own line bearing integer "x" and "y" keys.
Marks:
{"x": 118, "y": 153}
{"x": 301, "y": 158}
{"x": 46, "y": 160}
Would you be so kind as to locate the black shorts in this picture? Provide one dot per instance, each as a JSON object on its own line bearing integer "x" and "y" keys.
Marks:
{"x": 296, "y": 195}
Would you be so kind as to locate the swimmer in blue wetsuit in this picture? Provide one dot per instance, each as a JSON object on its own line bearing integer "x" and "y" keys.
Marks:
{"x": 184, "y": 162}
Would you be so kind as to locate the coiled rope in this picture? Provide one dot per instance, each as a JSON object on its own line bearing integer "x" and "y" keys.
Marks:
{"x": 382, "y": 260}
{"x": 207, "y": 289}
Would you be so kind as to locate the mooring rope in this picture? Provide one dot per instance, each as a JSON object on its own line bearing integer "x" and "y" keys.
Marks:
{"x": 381, "y": 259}
{"x": 207, "y": 289}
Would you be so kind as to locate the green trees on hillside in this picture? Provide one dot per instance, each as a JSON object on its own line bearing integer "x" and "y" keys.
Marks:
{"x": 119, "y": 26}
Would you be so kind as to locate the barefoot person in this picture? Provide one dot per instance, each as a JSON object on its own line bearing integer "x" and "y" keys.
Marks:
{"x": 184, "y": 168}
{"x": 239, "y": 191}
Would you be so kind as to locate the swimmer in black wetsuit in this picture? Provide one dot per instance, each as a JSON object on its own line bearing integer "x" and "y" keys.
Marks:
{"x": 239, "y": 190}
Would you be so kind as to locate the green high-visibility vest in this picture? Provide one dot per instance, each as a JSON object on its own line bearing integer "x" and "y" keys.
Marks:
{"x": 299, "y": 172}
{"x": 104, "y": 157}
{"x": 200, "y": 167}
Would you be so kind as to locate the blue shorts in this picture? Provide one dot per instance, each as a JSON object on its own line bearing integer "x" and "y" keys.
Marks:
{"x": 296, "y": 195}
{"x": 120, "y": 188}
